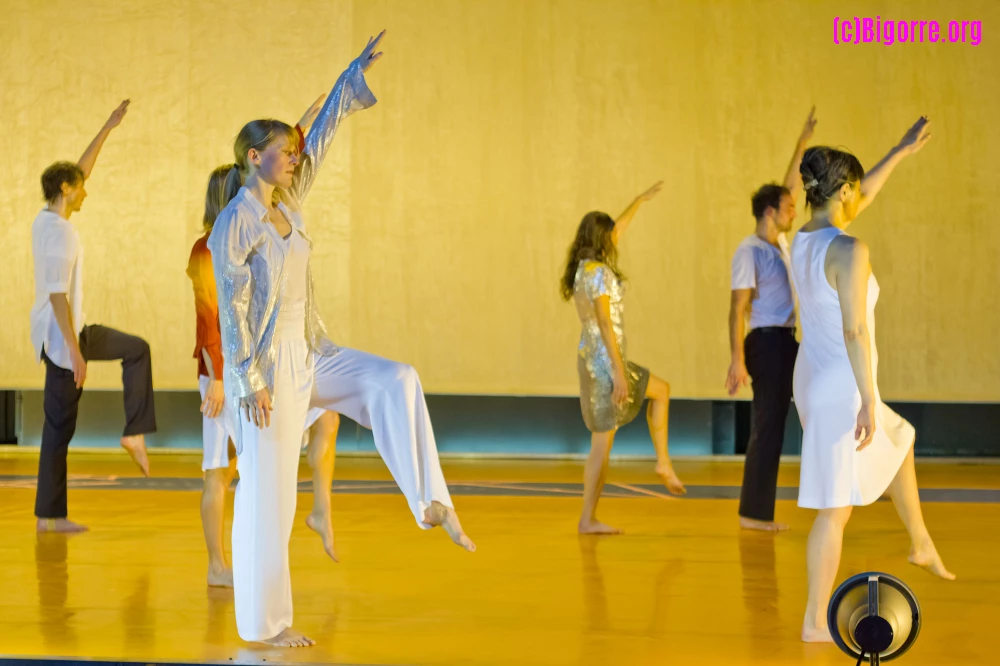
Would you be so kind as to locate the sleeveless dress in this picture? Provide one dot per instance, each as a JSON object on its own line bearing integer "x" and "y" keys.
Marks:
{"x": 593, "y": 280}
{"x": 833, "y": 473}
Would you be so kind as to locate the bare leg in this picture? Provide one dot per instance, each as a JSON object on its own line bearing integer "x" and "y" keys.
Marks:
{"x": 322, "y": 455}
{"x": 213, "y": 521}
{"x": 289, "y": 638}
{"x": 903, "y": 491}
{"x": 822, "y": 561}
{"x": 136, "y": 447}
{"x": 657, "y": 416}
{"x": 439, "y": 515}
{"x": 593, "y": 483}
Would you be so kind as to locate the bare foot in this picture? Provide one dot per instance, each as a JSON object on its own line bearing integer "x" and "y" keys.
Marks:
{"x": 136, "y": 447}
{"x": 762, "y": 525}
{"x": 595, "y": 527}
{"x": 60, "y": 526}
{"x": 289, "y": 638}
{"x": 323, "y": 526}
{"x": 816, "y": 634}
{"x": 438, "y": 514}
{"x": 220, "y": 577}
{"x": 926, "y": 557}
{"x": 670, "y": 480}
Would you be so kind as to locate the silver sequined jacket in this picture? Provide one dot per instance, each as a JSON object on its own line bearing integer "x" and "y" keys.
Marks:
{"x": 248, "y": 257}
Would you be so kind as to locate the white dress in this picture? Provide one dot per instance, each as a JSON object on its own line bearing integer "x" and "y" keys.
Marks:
{"x": 833, "y": 473}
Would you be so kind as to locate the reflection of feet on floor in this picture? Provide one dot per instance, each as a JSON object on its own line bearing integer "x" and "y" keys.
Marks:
{"x": 596, "y": 527}
{"x": 816, "y": 635}
{"x": 762, "y": 525}
{"x": 136, "y": 447}
{"x": 289, "y": 638}
{"x": 439, "y": 515}
{"x": 323, "y": 526}
{"x": 59, "y": 526}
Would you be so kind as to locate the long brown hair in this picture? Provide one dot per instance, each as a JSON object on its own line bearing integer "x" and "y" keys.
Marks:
{"x": 257, "y": 134}
{"x": 594, "y": 241}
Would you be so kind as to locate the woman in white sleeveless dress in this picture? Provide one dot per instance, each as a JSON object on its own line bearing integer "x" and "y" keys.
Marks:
{"x": 854, "y": 448}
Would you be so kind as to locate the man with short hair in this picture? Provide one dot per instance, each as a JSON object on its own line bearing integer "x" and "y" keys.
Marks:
{"x": 65, "y": 345}
{"x": 762, "y": 293}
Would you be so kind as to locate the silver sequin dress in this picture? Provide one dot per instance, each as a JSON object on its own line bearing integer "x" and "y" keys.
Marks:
{"x": 594, "y": 279}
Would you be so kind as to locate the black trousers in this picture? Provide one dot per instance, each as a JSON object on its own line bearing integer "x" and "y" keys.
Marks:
{"x": 62, "y": 398}
{"x": 770, "y": 358}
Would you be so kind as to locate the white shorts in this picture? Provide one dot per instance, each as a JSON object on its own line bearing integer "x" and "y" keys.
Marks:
{"x": 216, "y": 433}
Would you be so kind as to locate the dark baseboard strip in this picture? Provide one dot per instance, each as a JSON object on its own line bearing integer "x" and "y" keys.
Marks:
{"x": 487, "y": 489}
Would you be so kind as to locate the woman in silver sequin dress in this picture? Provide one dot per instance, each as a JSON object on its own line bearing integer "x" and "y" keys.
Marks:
{"x": 612, "y": 389}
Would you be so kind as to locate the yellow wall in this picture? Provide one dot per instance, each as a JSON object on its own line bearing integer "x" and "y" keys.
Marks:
{"x": 443, "y": 215}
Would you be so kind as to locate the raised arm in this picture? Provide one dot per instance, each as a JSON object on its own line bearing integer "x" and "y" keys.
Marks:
{"x": 349, "y": 94}
{"x": 89, "y": 157}
{"x": 793, "y": 179}
{"x": 309, "y": 117}
{"x": 848, "y": 260}
{"x": 910, "y": 144}
{"x": 621, "y": 224}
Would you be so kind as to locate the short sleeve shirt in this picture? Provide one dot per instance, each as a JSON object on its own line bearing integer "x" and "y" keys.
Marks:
{"x": 58, "y": 262}
{"x": 763, "y": 268}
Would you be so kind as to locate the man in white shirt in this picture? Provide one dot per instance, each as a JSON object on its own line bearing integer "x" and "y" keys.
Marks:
{"x": 762, "y": 292}
{"x": 65, "y": 345}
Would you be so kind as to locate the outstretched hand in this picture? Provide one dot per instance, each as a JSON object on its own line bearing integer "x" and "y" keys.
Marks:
{"x": 369, "y": 57}
{"x": 115, "y": 119}
{"x": 916, "y": 136}
{"x": 807, "y": 129}
{"x": 651, "y": 192}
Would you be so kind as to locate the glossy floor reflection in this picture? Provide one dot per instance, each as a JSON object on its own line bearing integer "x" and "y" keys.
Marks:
{"x": 683, "y": 584}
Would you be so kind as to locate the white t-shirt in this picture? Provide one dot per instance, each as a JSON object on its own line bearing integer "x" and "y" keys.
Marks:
{"x": 58, "y": 257}
{"x": 764, "y": 268}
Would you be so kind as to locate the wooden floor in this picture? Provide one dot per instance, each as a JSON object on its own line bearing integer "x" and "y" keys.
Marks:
{"x": 683, "y": 584}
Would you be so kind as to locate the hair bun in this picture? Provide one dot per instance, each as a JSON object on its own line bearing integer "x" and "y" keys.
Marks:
{"x": 824, "y": 170}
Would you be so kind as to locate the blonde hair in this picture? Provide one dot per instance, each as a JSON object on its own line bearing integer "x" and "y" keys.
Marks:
{"x": 257, "y": 135}
{"x": 215, "y": 196}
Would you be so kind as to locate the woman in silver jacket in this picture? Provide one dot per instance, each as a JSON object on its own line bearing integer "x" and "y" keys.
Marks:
{"x": 279, "y": 362}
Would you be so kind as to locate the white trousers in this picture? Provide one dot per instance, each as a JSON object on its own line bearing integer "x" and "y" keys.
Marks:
{"x": 264, "y": 510}
{"x": 216, "y": 433}
{"x": 386, "y": 397}
{"x": 380, "y": 394}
